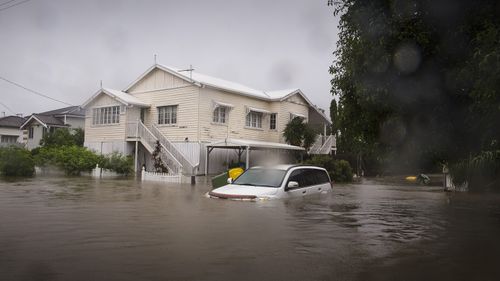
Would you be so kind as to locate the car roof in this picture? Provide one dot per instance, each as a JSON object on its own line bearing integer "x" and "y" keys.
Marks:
{"x": 286, "y": 167}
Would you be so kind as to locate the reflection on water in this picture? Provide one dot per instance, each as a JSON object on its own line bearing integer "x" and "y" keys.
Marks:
{"x": 83, "y": 229}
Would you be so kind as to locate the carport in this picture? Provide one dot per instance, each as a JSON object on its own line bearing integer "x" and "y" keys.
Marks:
{"x": 242, "y": 145}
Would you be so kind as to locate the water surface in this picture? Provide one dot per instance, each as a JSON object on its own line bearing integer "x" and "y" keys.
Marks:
{"x": 85, "y": 229}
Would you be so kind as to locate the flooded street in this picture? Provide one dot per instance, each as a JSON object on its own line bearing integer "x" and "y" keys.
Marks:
{"x": 83, "y": 229}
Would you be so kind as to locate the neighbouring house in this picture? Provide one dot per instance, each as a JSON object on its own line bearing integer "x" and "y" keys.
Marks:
{"x": 10, "y": 130}
{"x": 190, "y": 114}
{"x": 40, "y": 123}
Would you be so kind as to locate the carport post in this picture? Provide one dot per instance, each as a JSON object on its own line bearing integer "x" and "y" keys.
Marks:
{"x": 206, "y": 160}
{"x": 247, "y": 164}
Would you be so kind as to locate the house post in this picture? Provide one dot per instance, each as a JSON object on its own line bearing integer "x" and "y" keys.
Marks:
{"x": 136, "y": 147}
{"x": 206, "y": 160}
{"x": 247, "y": 162}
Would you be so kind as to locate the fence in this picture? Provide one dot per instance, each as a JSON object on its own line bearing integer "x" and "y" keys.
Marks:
{"x": 163, "y": 177}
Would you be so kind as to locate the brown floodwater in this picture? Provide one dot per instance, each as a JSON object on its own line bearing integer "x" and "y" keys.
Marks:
{"x": 85, "y": 229}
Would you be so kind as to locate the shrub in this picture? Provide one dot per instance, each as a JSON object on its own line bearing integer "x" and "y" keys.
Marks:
{"x": 16, "y": 161}
{"x": 71, "y": 159}
{"x": 63, "y": 137}
{"x": 117, "y": 162}
{"x": 339, "y": 170}
{"x": 481, "y": 171}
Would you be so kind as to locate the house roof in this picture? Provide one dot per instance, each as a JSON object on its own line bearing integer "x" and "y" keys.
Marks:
{"x": 120, "y": 96}
{"x": 70, "y": 110}
{"x": 44, "y": 120}
{"x": 206, "y": 80}
{"x": 12, "y": 121}
{"x": 252, "y": 144}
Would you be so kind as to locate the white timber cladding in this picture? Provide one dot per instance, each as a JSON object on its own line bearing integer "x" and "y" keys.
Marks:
{"x": 104, "y": 132}
{"x": 186, "y": 99}
{"x": 195, "y": 112}
{"x": 11, "y": 135}
{"x": 157, "y": 80}
{"x": 236, "y": 126}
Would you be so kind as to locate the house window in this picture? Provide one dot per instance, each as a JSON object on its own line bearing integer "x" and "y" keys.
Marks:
{"x": 254, "y": 119}
{"x": 9, "y": 139}
{"x": 106, "y": 115}
{"x": 31, "y": 132}
{"x": 167, "y": 115}
{"x": 272, "y": 121}
{"x": 220, "y": 115}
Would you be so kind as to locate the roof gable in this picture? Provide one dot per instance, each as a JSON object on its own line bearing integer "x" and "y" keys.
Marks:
{"x": 44, "y": 120}
{"x": 121, "y": 97}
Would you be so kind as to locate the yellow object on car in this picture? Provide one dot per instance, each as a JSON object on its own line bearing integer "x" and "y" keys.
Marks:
{"x": 411, "y": 178}
{"x": 235, "y": 172}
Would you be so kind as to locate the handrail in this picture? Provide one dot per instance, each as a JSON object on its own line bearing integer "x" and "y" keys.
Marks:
{"x": 146, "y": 136}
{"x": 317, "y": 145}
{"x": 327, "y": 146}
{"x": 176, "y": 152}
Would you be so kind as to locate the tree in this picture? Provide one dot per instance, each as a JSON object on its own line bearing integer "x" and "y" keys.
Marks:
{"x": 334, "y": 117}
{"x": 298, "y": 133}
{"x": 63, "y": 137}
{"x": 417, "y": 83}
{"x": 157, "y": 161}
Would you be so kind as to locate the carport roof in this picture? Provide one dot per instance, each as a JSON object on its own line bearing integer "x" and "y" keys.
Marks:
{"x": 252, "y": 144}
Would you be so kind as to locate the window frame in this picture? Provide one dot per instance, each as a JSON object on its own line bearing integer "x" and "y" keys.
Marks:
{"x": 273, "y": 122}
{"x": 106, "y": 115}
{"x": 251, "y": 120}
{"x": 217, "y": 115}
{"x": 166, "y": 113}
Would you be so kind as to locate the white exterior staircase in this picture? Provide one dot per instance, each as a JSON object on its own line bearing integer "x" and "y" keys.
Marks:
{"x": 323, "y": 145}
{"x": 175, "y": 161}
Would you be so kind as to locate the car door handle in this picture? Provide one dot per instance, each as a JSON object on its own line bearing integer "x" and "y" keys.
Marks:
{"x": 319, "y": 188}
{"x": 303, "y": 192}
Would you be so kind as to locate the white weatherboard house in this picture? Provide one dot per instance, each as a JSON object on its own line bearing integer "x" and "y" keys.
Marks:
{"x": 38, "y": 124}
{"x": 190, "y": 114}
{"x": 10, "y": 132}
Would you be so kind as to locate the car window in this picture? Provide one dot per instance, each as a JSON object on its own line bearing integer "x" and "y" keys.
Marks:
{"x": 298, "y": 176}
{"x": 321, "y": 177}
{"x": 308, "y": 177}
{"x": 261, "y": 177}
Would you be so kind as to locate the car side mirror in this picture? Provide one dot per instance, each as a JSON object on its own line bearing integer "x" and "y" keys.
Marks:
{"x": 229, "y": 180}
{"x": 291, "y": 185}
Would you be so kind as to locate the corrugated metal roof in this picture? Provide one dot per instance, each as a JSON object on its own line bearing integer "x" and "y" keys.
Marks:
{"x": 70, "y": 110}
{"x": 12, "y": 121}
{"x": 229, "y": 143}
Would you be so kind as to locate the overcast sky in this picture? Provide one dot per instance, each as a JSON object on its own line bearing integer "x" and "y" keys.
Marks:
{"x": 64, "y": 48}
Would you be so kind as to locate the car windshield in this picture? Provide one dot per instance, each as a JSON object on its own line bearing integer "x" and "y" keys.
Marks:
{"x": 261, "y": 177}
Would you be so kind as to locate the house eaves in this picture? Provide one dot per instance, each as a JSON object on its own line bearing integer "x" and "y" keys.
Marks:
{"x": 119, "y": 96}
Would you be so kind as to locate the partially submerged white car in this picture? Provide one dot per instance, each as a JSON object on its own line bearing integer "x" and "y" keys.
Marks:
{"x": 281, "y": 181}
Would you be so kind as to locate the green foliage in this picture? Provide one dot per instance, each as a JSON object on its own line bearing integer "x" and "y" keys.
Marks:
{"x": 79, "y": 136}
{"x": 63, "y": 137}
{"x": 417, "y": 84}
{"x": 480, "y": 172}
{"x": 339, "y": 170}
{"x": 117, "y": 162}
{"x": 299, "y": 133}
{"x": 334, "y": 116}
{"x": 16, "y": 161}
{"x": 71, "y": 159}
{"x": 157, "y": 161}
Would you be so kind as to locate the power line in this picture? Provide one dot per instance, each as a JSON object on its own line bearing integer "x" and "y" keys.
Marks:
{"x": 8, "y": 108}
{"x": 5, "y": 3}
{"x": 13, "y": 5}
{"x": 32, "y": 91}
